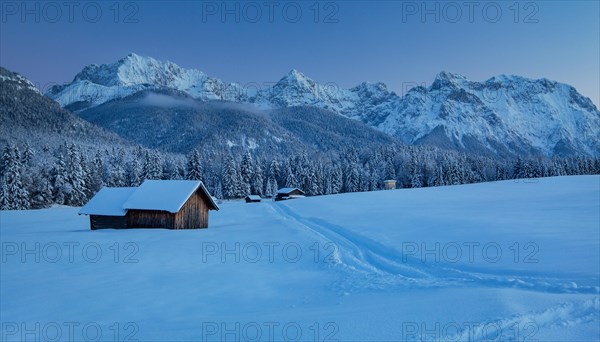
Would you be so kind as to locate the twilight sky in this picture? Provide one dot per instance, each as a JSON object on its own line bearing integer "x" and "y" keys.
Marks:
{"x": 346, "y": 42}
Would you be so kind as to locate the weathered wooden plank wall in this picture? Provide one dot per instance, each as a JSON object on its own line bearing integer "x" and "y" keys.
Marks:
{"x": 194, "y": 213}
{"x": 150, "y": 219}
{"x": 99, "y": 222}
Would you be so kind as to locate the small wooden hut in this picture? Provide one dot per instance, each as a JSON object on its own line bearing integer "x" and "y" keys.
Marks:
{"x": 253, "y": 199}
{"x": 288, "y": 193}
{"x": 173, "y": 204}
{"x": 390, "y": 184}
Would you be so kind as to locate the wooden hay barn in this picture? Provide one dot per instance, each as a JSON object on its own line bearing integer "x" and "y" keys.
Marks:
{"x": 288, "y": 193}
{"x": 253, "y": 199}
{"x": 172, "y": 204}
{"x": 390, "y": 184}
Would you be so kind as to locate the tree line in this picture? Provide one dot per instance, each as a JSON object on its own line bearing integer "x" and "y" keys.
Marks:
{"x": 68, "y": 175}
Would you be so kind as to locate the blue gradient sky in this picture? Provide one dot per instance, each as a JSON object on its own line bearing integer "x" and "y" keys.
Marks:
{"x": 371, "y": 41}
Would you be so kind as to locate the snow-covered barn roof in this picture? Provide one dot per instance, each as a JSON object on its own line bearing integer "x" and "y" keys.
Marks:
{"x": 288, "y": 190}
{"x": 108, "y": 202}
{"x": 166, "y": 195}
{"x": 254, "y": 197}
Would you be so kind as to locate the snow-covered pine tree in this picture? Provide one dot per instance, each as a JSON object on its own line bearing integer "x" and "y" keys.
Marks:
{"x": 374, "y": 180}
{"x": 518, "y": 169}
{"x": 41, "y": 189}
{"x": 179, "y": 171}
{"x": 414, "y": 171}
{"x": 337, "y": 179}
{"x": 5, "y": 200}
{"x": 438, "y": 178}
{"x": 28, "y": 155}
{"x": 87, "y": 167}
{"x": 271, "y": 189}
{"x": 415, "y": 181}
{"x": 75, "y": 176}
{"x": 290, "y": 178}
{"x": 246, "y": 173}
{"x": 194, "y": 166}
{"x": 96, "y": 174}
{"x": 153, "y": 167}
{"x": 327, "y": 190}
{"x": 134, "y": 172}
{"x": 308, "y": 180}
{"x": 231, "y": 181}
{"x": 218, "y": 193}
{"x": 60, "y": 188}
{"x": 274, "y": 169}
{"x": 173, "y": 169}
{"x": 13, "y": 195}
{"x": 364, "y": 176}
{"x": 257, "y": 181}
{"x": 117, "y": 176}
{"x": 319, "y": 171}
{"x": 453, "y": 175}
{"x": 352, "y": 179}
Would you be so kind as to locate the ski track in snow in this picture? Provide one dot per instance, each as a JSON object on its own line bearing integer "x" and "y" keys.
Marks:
{"x": 524, "y": 327}
{"x": 369, "y": 264}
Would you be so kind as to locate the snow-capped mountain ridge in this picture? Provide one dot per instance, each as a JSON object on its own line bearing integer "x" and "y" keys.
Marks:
{"x": 135, "y": 69}
{"x": 97, "y": 84}
{"x": 505, "y": 115}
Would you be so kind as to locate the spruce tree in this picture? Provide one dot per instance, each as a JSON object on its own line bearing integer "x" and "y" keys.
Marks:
{"x": 117, "y": 176}
{"x": 257, "y": 181}
{"x": 153, "y": 168}
{"x": 272, "y": 187}
{"x": 390, "y": 170}
{"x": 96, "y": 174}
{"x": 337, "y": 180}
{"x": 218, "y": 193}
{"x": 290, "y": 179}
{"x": 28, "y": 155}
{"x": 75, "y": 177}
{"x": 194, "y": 166}
{"x": 518, "y": 169}
{"x": 352, "y": 179}
{"x": 246, "y": 173}
{"x": 274, "y": 169}
{"x": 13, "y": 195}
{"x": 231, "y": 179}
{"x": 134, "y": 172}
{"x": 60, "y": 187}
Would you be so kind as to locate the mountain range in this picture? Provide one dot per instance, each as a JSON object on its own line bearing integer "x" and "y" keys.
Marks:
{"x": 173, "y": 121}
{"x": 27, "y": 116}
{"x": 503, "y": 116}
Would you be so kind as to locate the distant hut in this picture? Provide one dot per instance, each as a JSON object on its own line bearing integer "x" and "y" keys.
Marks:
{"x": 288, "y": 193}
{"x": 253, "y": 199}
{"x": 390, "y": 184}
{"x": 173, "y": 204}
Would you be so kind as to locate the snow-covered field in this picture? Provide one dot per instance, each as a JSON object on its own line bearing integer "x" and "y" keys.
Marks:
{"x": 495, "y": 261}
